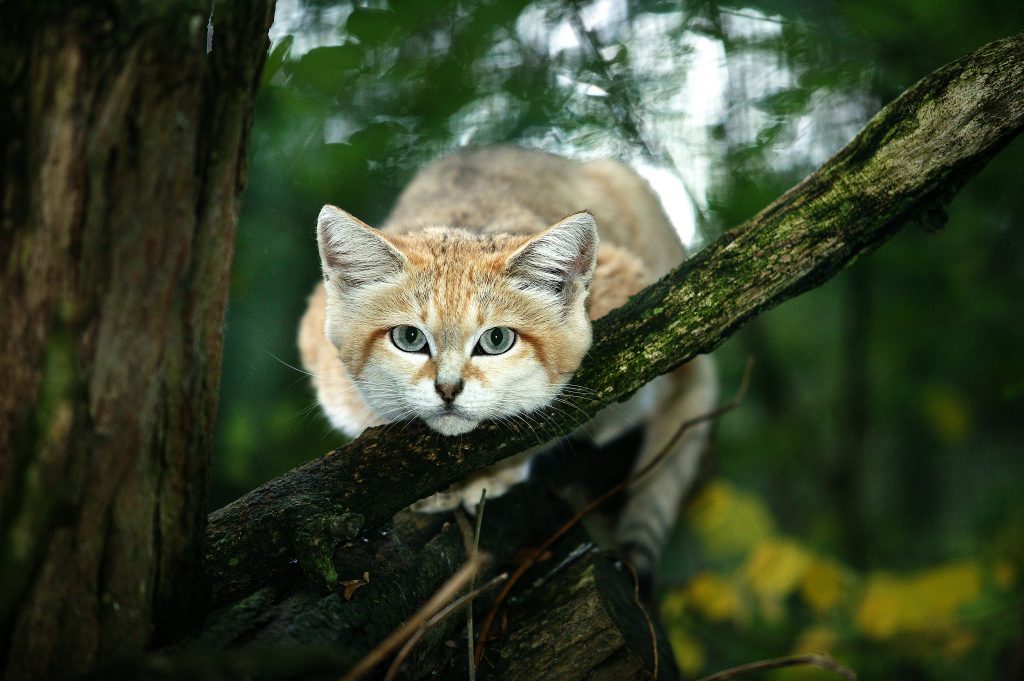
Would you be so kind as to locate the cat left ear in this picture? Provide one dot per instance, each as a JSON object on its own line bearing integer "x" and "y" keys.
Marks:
{"x": 351, "y": 252}
{"x": 560, "y": 259}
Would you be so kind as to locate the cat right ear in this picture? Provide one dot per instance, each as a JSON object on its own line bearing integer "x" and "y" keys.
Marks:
{"x": 351, "y": 252}
{"x": 561, "y": 259}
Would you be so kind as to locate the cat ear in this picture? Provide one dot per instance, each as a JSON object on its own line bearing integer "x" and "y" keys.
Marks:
{"x": 351, "y": 252}
{"x": 560, "y": 259}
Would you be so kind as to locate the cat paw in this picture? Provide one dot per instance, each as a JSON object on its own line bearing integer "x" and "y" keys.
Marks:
{"x": 643, "y": 562}
{"x": 438, "y": 503}
{"x": 468, "y": 494}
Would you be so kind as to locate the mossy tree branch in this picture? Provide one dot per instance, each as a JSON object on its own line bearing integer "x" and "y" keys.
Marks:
{"x": 905, "y": 165}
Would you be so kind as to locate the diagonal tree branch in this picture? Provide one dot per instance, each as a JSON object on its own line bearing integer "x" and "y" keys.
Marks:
{"x": 905, "y": 165}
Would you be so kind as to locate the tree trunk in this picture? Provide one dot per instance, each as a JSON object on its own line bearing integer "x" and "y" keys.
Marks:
{"x": 122, "y": 156}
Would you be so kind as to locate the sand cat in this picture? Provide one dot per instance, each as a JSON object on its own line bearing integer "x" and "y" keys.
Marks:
{"x": 473, "y": 302}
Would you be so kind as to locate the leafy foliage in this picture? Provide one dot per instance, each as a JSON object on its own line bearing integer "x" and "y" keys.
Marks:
{"x": 779, "y": 595}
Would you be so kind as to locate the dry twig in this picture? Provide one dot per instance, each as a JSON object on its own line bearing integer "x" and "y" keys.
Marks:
{"x": 434, "y": 604}
{"x": 820, "y": 661}
{"x": 451, "y": 607}
{"x": 596, "y": 503}
{"x": 471, "y": 542}
{"x": 470, "y": 660}
{"x": 647, "y": 619}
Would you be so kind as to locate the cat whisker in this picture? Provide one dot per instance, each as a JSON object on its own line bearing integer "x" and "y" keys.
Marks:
{"x": 521, "y": 418}
{"x": 405, "y": 419}
{"x": 407, "y": 422}
{"x": 330, "y": 429}
{"x": 587, "y": 415}
{"x": 588, "y": 394}
{"x": 550, "y": 426}
{"x": 293, "y": 368}
{"x": 551, "y": 405}
{"x": 306, "y": 412}
{"x": 518, "y": 425}
{"x": 582, "y": 426}
{"x": 614, "y": 407}
{"x": 539, "y": 414}
{"x": 561, "y": 412}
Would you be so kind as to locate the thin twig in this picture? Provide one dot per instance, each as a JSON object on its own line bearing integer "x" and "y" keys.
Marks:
{"x": 479, "y": 519}
{"x": 647, "y": 619}
{"x": 469, "y": 603}
{"x": 618, "y": 488}
{"x": 449, "y": 609}
{"x": 465, "y": 529}
{"x": 435, "y": 603}
{"x": 820, "y": 661}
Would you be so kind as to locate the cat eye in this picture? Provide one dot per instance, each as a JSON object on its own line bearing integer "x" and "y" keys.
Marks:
{"x": 495, "y": 341}
{"x": 409, "y": 338}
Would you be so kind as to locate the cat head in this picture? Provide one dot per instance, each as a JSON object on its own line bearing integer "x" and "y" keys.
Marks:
{"x": 453, "y": 327}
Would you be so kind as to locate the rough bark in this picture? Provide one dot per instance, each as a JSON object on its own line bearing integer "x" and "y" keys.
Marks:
{"x": 905, "y": 165}
{"x": 583, "y": 623}
{"x": 575, "y": 617}
{"x": 122, "y": 148}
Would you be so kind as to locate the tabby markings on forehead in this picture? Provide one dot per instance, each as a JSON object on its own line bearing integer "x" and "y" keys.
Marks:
{"x": 449, "y": 334}
{"x": 422, "y": 295}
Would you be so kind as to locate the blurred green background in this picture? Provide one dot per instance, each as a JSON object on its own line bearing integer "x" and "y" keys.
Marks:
{"x": 868, "y": 499}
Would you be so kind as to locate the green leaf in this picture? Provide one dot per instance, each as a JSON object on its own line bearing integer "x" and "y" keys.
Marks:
{"x": 784, "y": 102}
{"x": 277, "y": 57}
{"x": 325, "y": 69}
{"x": 371, "y": 26}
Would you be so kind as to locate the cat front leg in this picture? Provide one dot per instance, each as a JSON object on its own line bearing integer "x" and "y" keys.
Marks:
{"x": 496, "y": 480}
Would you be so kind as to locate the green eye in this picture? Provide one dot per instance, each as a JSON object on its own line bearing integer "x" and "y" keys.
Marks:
{"x": 496, "y": 340}
{"x": 408, "y": 338}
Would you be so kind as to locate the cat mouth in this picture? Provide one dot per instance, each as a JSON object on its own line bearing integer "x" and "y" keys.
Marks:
{"x": 450, "y": 421}
{"x": 451, "y": 410}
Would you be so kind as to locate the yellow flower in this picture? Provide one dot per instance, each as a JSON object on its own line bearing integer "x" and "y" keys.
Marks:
{"x": 730, "y": 521}
{"x": 674, "y": 603}
{"x": 816, "y": 640}
{"x": 688, "y": 651}
{"x": 926, "y": 602}
{"x": 776, "y": 567}
{"x": 823, "y": 585}
{"x": 714, "y": 596}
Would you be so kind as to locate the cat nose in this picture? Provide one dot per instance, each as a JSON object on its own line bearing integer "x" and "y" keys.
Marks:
{"x": 448, "y": 391}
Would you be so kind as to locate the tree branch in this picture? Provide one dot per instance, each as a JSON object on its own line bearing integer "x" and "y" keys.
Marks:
{"x": 905, "y": 165}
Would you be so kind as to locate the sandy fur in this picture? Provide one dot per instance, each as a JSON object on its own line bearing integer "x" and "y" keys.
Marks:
{"x": 455, "y": 228}
{"x": 469, "y": 246}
